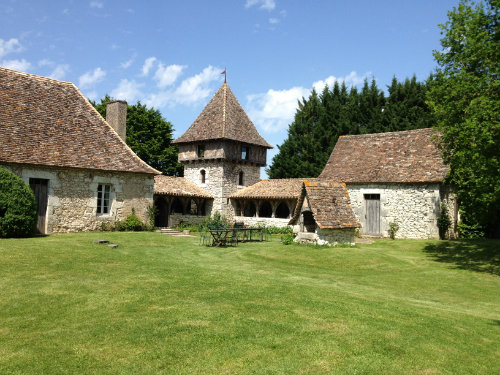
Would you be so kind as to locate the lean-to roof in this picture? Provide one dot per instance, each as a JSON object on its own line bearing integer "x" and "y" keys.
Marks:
{"x": 179, "y": 186}
{"x": 288, "y": 188}
{"x": 330, "y": 204}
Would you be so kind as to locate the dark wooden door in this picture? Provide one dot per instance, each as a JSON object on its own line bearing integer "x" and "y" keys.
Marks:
{"x": 40, "y": 189}
{"x": 372, "y": 214}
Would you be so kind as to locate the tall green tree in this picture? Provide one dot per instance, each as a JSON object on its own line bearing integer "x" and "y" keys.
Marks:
{"x": 321, "y": 119}
{"x": 406, "y": 106}
{"x": 149, "y": 135}
{"x": 465, "y": 96}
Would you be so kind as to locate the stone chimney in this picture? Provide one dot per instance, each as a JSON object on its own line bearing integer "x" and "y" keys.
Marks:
{"x": 116, "y": 116}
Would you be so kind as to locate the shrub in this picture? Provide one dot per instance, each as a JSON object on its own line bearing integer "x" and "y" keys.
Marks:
{"x": 443, "y": 221}
{"x": 131, "y": 223}
{"x": 216, "y": 221}
{"x": 393, "y": 228}
{"x": 152, "y": 213}
{"x": 278, "y": 230}
{"x": 287, "y": 239}
{"x": 470, "y": 232}
{"x": 17, "y": 206}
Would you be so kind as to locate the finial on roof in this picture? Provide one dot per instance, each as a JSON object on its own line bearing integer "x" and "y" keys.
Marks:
{"x": 224, "y": 72}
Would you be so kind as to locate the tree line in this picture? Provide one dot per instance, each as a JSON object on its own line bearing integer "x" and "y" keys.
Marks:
{"x": 323, "y": 117}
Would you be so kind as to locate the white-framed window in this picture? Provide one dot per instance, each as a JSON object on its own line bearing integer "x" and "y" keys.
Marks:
{"x": 103, "y": 199}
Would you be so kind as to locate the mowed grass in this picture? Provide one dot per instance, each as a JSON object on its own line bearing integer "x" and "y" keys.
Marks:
{"x": 164, "y": 305}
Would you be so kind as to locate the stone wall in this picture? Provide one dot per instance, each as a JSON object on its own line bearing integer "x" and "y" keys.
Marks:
{"x": 175, "y": 219}
{"x": 327, "y": 236}
{"x": 221, "y": 180}
{"x": 72, "y": 196}
{"x": 262, "y": 221}
{"x": 415, "y": 207}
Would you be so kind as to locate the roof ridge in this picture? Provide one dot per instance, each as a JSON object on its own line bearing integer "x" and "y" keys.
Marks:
{"x": 35, "y": 76}
{"x": 386, "y": 134}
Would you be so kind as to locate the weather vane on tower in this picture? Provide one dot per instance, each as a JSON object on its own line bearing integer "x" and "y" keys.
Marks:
{"x": 224, "y": 72}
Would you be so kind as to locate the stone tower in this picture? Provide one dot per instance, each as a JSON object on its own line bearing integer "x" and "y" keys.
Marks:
{"x": 222, "y": 151}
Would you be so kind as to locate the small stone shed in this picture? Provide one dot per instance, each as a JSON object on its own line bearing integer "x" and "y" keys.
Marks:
{"x": 395, "y": 176}
{"x": 83, "y": 174}
{"x": 323, "y": 214}
{"x": 179, "y": 200}
{"x": 270, "y": 202}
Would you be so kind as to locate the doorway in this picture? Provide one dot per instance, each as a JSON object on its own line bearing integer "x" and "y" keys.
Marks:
{"x": 40, "y": 189}
{"x": 372, "y": 214}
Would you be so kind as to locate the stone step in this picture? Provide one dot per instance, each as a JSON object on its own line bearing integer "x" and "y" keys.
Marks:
{"x": 172, "y": 232}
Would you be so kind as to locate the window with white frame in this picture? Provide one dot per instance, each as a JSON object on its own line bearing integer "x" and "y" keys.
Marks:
{"x": 103, "y": 199}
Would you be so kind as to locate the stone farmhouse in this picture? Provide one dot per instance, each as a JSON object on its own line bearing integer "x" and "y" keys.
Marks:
{"x": 82, "y": 172}
{"x": 371, "y": 181}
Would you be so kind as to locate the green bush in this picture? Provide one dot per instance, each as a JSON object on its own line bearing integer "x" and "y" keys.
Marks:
{"x": 443, "y": 222}
{"x": 17, "y": 206}
{"x": 278, "y": 230}
{"x": 131, "y": 224}
{"x": 216, "y": 221}
{"x": 393, "y": 229}
{"x": 470, "y": 232}
{"x": 287, "y": 239}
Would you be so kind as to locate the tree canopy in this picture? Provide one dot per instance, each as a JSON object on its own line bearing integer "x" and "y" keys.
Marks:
{"x": 465, "y": 96}
{"x": 149, "y": 135}
{"x": 322, "y": 118}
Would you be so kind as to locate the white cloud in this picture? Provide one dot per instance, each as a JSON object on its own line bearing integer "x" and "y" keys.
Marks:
{"x": 90, "y": 78}
{"x": 92, "y": 95}
{"x": 167, "y": 75}
{"x": 45, "y": 62}
{"x": 9, "y": 46}
{"x": 262, "y": 4}
{"x": 197, "y": 88}
{"x": 96, "y": 4}
{"x": 191, "y": 90}
{"x": 127, "y": 90}
{"x": 20, "y": 65}
{"x": 273, "y": 21}
{"x": 129, "y": 62}
{"x": 352, "y": 79}
{"x": 274, "y": 110}
{"x": 148, "y": 64}
{"x": 59, "y": 71}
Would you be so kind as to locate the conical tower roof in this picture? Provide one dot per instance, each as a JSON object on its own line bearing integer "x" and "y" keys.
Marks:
{"x": 223, "y": 118}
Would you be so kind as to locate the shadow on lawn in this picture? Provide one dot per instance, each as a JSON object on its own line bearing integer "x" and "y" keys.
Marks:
{"x": 479, "y": 256}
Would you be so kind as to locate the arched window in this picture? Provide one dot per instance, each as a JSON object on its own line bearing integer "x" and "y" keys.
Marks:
{"x": 202, "y": 176}
{"x": 240, "y": 178}
{"x": 282, "y": 211}
{"x": 265, "y": 210}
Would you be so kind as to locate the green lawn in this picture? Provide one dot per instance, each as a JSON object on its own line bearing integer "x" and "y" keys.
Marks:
{"x": 164, "y": 305}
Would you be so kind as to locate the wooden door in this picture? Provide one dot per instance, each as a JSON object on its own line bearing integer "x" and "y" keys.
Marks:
{"x": 40, "y": 188}
{"x": 372, "y": 214}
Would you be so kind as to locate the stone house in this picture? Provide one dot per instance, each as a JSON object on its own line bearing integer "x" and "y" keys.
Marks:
{"x": 323, "y": 214}
{"x": 395, "y": 176}
{"x": 82, "y": 172}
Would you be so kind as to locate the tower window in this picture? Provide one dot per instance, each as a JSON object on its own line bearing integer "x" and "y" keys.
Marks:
{"x": 202, "y": 176}
{"x": 240, "y": 178}
{"x": 244, "y": 152}
{"x": 201, "y": 151}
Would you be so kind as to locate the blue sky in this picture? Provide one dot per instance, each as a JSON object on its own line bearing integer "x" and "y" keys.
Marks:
{"x": 169, "y": 54}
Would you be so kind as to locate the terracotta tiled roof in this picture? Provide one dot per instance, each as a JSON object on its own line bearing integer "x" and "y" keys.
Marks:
{"x": 399, "y": 157}
{"x": 179, "y": 186}
{"x": 48, "y": 122}
{"x": 271, "y": 189}
{"x": 223, "y": 118}
{"x": 329, "y": 203}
